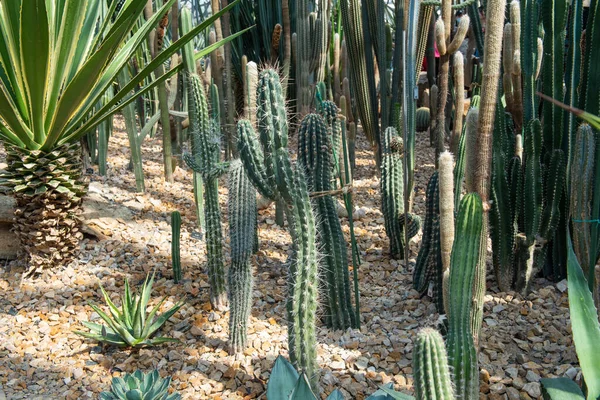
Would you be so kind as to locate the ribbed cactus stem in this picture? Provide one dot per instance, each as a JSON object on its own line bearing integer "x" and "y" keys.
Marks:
{"x": 433, "y": 98}
{"x": 392, "y": 189}
{"x": 446, "y": 177}
{"x": 430, "y": 367}
{"x": 507, "y": 62}
{"x": 582, "y": 181}
{"x": 540, "y": 53}
{"x": 253, "y": 158}
{"x": 471, "y": 148}
{"x": 175, "y": 250}
{"x": 459, "y": 96}
{"x": 465, "y": 259}
{"x": 242, "y": 221}
{"x": 314, "y": 156}
{"x": 205, "y": 160}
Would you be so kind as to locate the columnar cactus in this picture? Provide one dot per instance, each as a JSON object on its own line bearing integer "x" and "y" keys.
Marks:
{"x": 329, "y": 111}
{"x": 465, "y": 258}
{"x": 314, "y": 155}
{"x": 175, "y": 250}
{"x": 267, "y": 164}
{"x": 392, "y": 190}
{"x": 446, "y": 178}
{"x": 428, "y": 269}
{"x": 205, "y": 161}
{"x": 242, "y": 221}
{"x": 458, "y": 64}
{"x": 430, "y": 367}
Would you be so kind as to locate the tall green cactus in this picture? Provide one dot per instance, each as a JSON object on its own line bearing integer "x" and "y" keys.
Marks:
{"x": 205, "y": 161}
{"x": 428, "y": 269}
{"x": 267, "y": 164}
{"x": 314, "y": 156}
{"x": 465, "y": 258}
{"x": 392, "y": 189}
{"x": 430, "y": 366}
{"x": 175, "y": 250}
{"x": 242, "y": 221}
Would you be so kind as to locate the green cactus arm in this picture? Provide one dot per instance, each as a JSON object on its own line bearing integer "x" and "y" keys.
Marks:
{"x": 253, "y": 159}
{"x": 175, "y": 250}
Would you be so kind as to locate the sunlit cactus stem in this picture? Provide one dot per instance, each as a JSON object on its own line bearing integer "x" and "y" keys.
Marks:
{"x": 430, "y": 367}
{"x": 175, "y": 251}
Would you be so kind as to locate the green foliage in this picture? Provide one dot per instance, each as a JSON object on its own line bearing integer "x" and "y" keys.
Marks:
{"x": 49, "y": 86}
{"x": 430, "y": 365}
{"x": 286, "y": 384}
{"x": 140, "y": 386}
{"x": 130, "y": 326}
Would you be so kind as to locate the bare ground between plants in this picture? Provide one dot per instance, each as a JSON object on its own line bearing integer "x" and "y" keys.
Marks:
{"x": 41, "y": 357}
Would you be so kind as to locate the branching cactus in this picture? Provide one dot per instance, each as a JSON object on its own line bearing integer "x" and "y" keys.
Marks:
{"x": 430, "y": 366}
{"x": 446, "y": 46}
{"x": 465, "y": 258}
{"x": 267, "y": 164}
{"x": 205, "y": 161}
{"x": 242, "y": 221}
{"x": 314, "y": 156}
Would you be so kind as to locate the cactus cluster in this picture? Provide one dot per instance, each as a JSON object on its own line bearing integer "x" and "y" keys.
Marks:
{"x": 268, "y": 166}
{"x": 314, "y": 156}
{"x": 205, "y": 160}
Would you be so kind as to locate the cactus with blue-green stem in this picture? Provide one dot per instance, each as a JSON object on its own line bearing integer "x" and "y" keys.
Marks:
{"x": 175, "y": 250}
{"x": 267, "y": 164}
{"x": 242, "y": 221}
{"x": 314, "y": 156}
{"x": 205, "y": 161}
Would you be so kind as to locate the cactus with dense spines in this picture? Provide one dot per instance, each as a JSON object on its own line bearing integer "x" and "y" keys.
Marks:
{"x": 429, "y": 260}
{"x": 392, "y": 189}
{"x": 330, "y": 112}
{"x": 205, "y": 161}
{"x": 250, "y": 85}
{"x": 446, "y": 184}
{"x": 242, "y": 221}
{"x": 268, "y": 166}
{"x": 422, "y": 117}
{"x": 175, "y": 250}
{"x": 459, "y": 99}
{"x": 314, "y": 156}
{"x": 465, "y": 259}
{"x": 430, "y": 365}
{"x": 433, "y": 98}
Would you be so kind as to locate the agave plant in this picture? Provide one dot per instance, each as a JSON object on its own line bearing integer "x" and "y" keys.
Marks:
{"x": 140, "y": 386}
{"x": 130, "y": 326}
{"x": 57, "y": 59}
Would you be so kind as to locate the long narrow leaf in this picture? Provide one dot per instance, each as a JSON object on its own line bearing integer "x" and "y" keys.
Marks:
{"x": 35, "y": 60}
{"x": 585, "y": 325}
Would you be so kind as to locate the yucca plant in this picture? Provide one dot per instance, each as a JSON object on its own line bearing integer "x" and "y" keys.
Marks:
{"x": 130, "y": 326}
{"x": 57, "y": 59}
{"x": 140, "y": 386}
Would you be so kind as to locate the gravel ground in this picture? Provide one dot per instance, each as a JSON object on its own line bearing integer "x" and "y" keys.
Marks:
{"x": 522, "y": 340}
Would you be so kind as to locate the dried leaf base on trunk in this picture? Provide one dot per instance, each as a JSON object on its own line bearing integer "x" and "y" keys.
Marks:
{"x": 48, "y": 190}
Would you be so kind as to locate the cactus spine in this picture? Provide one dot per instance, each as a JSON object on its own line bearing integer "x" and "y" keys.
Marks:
{"x": 314, "y": 156}
{"x": 430, "y": 366}
{"x": 242, "y": 221}
{"x": 205, "y": 161}
{"x": 465, "y": 260}
{"x": 175, "y": 251}
{"x": 268, "y": 166}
